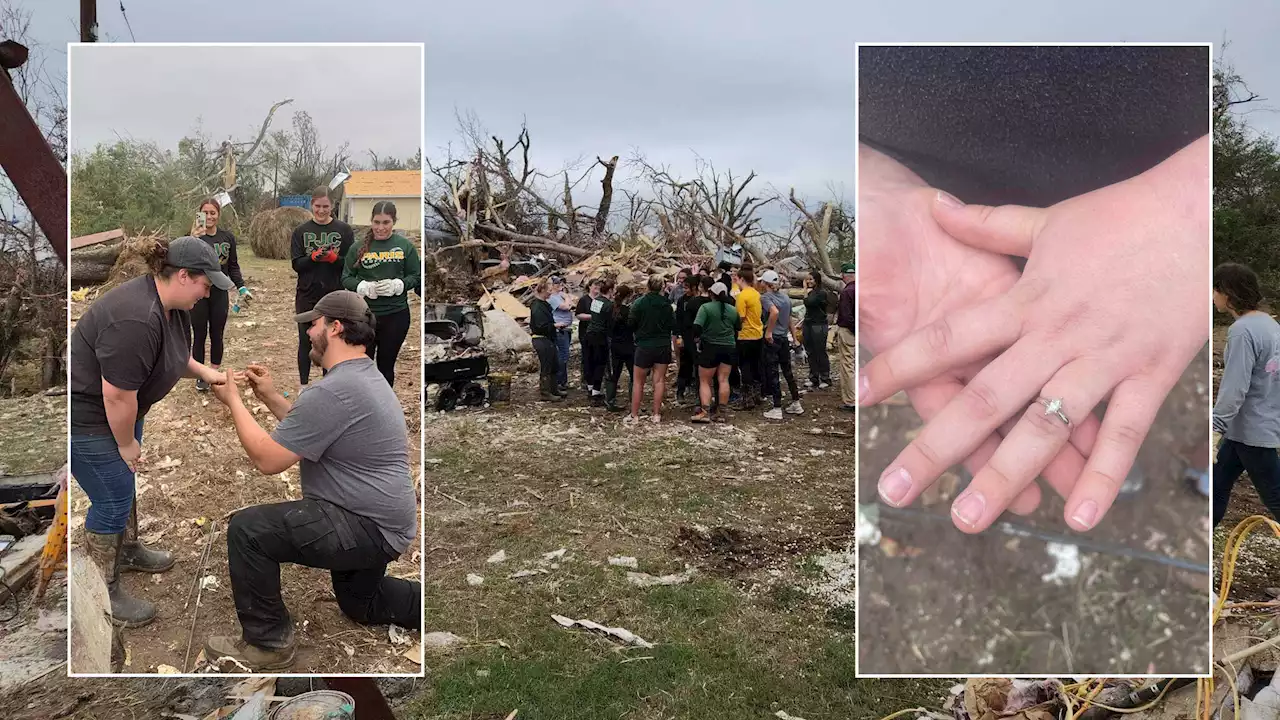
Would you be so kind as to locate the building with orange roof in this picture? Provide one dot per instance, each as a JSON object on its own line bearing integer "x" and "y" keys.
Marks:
{"x": 366, "y": 187}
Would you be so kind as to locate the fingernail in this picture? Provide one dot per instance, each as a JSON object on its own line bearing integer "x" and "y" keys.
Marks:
{"x": 864, "y": 389}
{"x": 894, "y": 486}
{"x": 946, "y": 199}
{"x": 969, "y": 508}
{"x": 1086, "y": 514}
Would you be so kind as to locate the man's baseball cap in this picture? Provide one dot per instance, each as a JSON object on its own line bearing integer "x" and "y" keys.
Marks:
{"x": 770, "y": 277}
{"x": 846, "y": 268}
{"x": 189, "y": 253}
{"x": 717, "y": 288}
{"x": 338, "y": 305}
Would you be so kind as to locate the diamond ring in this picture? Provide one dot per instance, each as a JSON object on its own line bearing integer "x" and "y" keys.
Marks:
{"x": 1053, "y": 406}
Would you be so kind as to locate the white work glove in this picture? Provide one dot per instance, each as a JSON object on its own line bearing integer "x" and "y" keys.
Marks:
{"x": 368, "y": 289}
{"x": 391, "y": 286}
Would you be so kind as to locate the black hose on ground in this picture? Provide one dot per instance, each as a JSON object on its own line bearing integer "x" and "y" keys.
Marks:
{"x": 1084, "y": 543}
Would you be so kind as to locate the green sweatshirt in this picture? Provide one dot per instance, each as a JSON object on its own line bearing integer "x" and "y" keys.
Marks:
{"x": 652, "y": 320}
{"x": 395, "y": 257}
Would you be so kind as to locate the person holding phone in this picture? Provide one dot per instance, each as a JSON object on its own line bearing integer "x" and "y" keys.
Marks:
{"x": 381, "y": 269}
{"x": 209, "y": 316}
{"x": 317, "y": 248}
{"x": 127, "y": 352}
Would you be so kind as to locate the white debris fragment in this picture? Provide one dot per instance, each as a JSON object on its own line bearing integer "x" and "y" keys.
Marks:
{"x": 209, "y": 581}
{"x": 868, "y": 528}
{"x": 500, "y": 556}
{"x": 618, "y": 633}
{"x": 1066, "y": 562}
{"x": 647, "y": 580}
{"x": 526, "y": 573}
{"x": 553, "y": 555}
{"x": 784, "y": 715}
{"x": 441, "y": 640}
{"x": 398, "y": 636}
{"x": 624, "y": 561}
{"x": 474, "y": 579}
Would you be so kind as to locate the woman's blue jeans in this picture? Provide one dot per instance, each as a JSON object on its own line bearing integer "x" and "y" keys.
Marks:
{"x": 106, "y": 478}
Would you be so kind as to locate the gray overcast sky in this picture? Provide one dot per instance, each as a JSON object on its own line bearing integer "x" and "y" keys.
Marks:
{"x": 753, "y": 84}
{"x": 157, "y": 93}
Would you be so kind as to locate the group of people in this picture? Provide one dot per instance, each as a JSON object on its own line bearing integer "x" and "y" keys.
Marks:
{"x": 730, "y": 333}
{"x": 347, "y": 433}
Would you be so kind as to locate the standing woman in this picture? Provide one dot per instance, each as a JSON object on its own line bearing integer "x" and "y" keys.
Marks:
{"x": 542, "y": 326}
{"x": 127, "y": 352}
{"x": 686, "y": 310}
{"x": 652, "y": 320}
{"x": 383, "y": 269}
{"x": 597, "y": 342}
{"x": 1247, "y": 412}
{"x": 815, "y": 329}
{"x": 716, "y": 325}
{"x": 622, "y": 348}
{"x": 209, "y": 316}
{"x": 318, "y": 248}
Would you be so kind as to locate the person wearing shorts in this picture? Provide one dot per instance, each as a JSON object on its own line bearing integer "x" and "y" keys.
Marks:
{"x": 651, "y": 320}
{"x": 716, "y": 327}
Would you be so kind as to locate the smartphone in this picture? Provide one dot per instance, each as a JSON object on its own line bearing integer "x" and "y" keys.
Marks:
{"x": 200, "y": 219}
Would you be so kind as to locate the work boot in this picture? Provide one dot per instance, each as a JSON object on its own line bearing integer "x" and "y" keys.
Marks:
{"x": 134, "y": 555}
{"x": 126, "y": 610}
{"x": 250, "y": 655}
{"x": 548, "y": 389}
{"x": 201, "y": 385}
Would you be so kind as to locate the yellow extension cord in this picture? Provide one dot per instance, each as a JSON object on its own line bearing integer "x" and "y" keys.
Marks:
{"x": 1085, "y": 692}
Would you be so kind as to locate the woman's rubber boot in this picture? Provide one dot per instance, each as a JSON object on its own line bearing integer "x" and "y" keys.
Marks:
{"x": 136, "y": 556}
{"x": 126, "y": 610}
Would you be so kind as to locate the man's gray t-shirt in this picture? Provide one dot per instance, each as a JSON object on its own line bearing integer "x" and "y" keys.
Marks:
{"x": 1248, "y": 406}
{"x": 782, "y": 327}
{"x": 349, "y": 429}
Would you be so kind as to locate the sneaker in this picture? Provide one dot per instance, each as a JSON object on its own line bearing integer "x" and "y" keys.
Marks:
{"x": 774, "y": 414}
{"x": 824, "y": 384}
{"x": 655, "y": 419}
{"x": 201, "y": 385}
{"x": 630, "y": 420}
{"x": 809, "y": 384}
{"x": 718, "y": 417}
{"x": 614, "y": 407}
{"x": 701, "y": 417}
{"x": 795, "y": 408}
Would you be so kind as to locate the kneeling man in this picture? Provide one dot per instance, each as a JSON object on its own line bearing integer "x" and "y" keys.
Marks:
{"x": 358, "y": 512}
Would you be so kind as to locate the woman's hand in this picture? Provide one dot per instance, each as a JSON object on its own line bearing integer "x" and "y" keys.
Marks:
{"x": 1111, "y": 303}
{"x": 913, "y": 273}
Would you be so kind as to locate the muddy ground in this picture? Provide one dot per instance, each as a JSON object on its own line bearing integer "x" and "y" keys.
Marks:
{"x": 935, "y": 600}
{"x": 195, "y": 471}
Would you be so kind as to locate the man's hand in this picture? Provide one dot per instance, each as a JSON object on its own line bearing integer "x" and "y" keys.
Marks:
{"x": 226, "y": 390}
{"x": 259, "y": 378}
{"x": 1111, "y": 303}
{"x": 130, "y": 453}
{"x": 914, "y": 273}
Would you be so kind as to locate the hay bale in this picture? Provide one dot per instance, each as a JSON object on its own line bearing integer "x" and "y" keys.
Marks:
{"x": 269, "y": 231}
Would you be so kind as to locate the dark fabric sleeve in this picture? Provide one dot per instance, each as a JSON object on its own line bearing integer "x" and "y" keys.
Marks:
{"x": 298, "y": 252}
{"x": 233, "y": 263}
{"x": 127, "y": 351}
{"x": 345, "y": 242}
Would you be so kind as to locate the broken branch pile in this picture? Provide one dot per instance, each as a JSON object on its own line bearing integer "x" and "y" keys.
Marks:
{"x": 109, "y": 265}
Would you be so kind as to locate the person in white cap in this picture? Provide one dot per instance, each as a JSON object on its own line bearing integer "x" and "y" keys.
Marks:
{"x": 778, "y": 333}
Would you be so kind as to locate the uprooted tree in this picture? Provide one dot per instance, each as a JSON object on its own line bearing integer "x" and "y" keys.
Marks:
{"x": 488, "y": 196}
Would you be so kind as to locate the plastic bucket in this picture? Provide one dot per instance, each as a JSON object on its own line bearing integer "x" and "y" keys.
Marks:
{"x": 499, "y": 388}
{"x": 318, "y": 705}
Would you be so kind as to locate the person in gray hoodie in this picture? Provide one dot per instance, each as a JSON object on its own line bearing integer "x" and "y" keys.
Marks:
{"x": 1247, "y": 412}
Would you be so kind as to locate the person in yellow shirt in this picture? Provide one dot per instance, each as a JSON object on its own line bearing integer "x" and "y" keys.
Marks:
{"x": 750, "y": 337}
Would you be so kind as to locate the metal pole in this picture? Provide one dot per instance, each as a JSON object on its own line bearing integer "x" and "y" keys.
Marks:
{"x": 88, "y": 21}
{"x": 28, "y": 160}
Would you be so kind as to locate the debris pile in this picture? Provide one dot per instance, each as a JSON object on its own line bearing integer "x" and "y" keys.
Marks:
{"x": 114, "y": 261}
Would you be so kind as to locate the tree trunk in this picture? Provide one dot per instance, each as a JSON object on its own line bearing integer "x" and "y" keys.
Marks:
{"x": 569, "y": 215}
{"x": 535, "y": 242}
{"x": 91, "y": 266}
{"x": 602, "y": 214}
